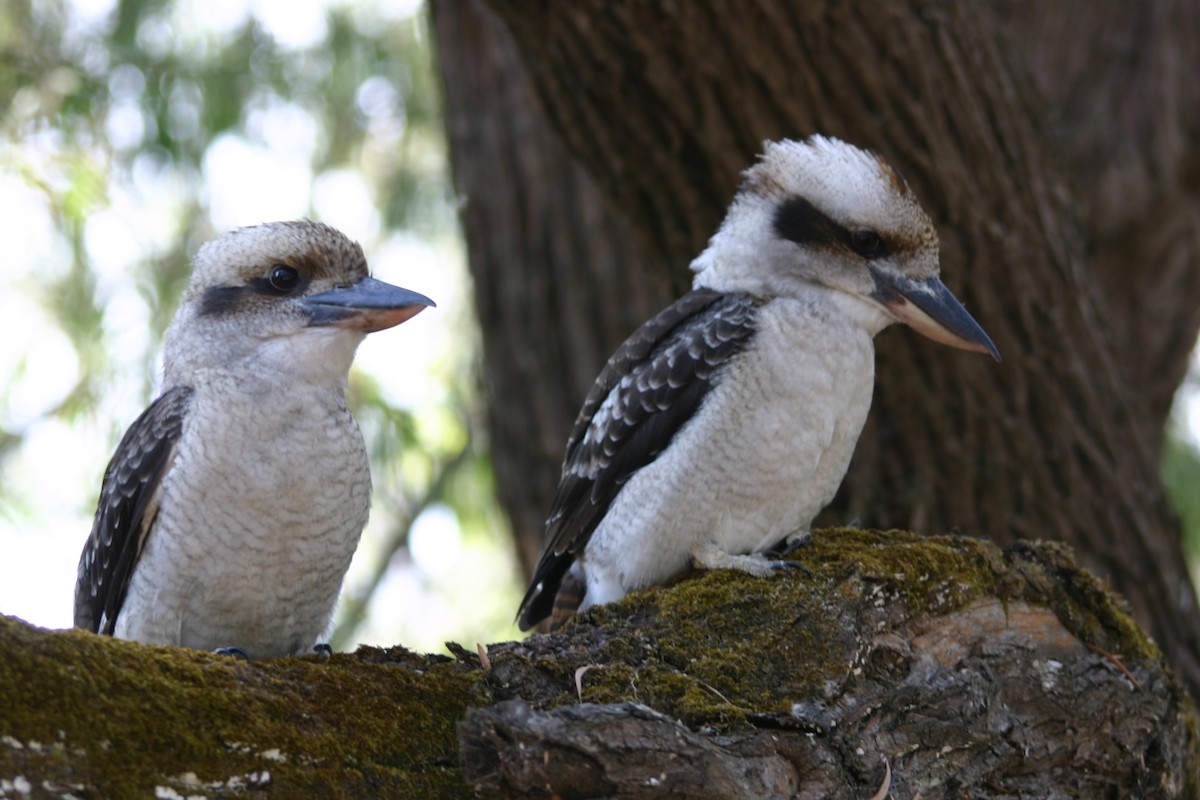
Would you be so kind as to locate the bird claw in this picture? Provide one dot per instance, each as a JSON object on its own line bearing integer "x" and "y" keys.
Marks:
{"x": 232, "y": 651}
{"x": 780, "y": 565}
{"x": 790, "y": 544}
{"x": 323, "y": 651}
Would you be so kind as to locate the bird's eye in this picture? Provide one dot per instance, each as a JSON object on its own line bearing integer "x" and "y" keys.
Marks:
{"x": 283, "y": 278}
{"x": 867, "y": 243}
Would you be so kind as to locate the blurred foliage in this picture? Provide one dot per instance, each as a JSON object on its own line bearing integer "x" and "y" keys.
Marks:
{"x": 132, "y": 99}
{"x": 1181, "y": 473}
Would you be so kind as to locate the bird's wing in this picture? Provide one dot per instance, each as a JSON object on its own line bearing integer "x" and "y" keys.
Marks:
{"x": 647, "y": 392}
{"x": 126, "y": 511}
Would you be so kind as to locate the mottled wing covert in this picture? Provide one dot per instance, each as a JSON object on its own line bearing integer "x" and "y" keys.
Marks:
{"x": 126, "y": 510}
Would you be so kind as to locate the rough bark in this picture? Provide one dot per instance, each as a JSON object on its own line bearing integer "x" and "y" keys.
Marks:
{"x": 1115, "y": 104}
{"x": 1056, "y": 150}
{"x": 962, "y": 670}
{"x": 605, "y": 750}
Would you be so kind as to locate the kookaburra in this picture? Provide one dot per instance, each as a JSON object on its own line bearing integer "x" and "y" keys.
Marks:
{"x": 726, "y": 422}
{"x": 232, "y": 506}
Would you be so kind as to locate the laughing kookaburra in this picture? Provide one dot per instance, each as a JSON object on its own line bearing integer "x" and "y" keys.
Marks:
{"x": 232, "y": 506}
{"x": 725, "y": 423}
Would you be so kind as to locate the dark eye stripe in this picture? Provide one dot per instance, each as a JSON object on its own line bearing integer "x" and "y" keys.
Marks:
{"x": 803, "y": 223}
{"x": 221, "y": 300}
{"x": 799, "y": 221}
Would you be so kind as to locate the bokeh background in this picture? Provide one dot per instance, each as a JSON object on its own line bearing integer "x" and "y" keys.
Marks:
{"x": 134, "y": 131}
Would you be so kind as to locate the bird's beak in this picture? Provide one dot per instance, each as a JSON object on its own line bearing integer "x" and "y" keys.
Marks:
{"x": 930, "y": 309}
{"x": 368, "y": 306}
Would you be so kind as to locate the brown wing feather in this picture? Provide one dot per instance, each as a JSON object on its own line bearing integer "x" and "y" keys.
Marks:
{"x": 650, "y": 388}
{"x": 126, "y": 510}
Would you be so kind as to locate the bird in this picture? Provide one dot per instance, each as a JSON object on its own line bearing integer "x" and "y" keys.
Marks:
{"x": 725, "y": 423}
{"x": 231, "y": 508}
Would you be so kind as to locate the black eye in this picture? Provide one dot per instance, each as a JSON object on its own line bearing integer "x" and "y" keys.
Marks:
{"x": 867, "y": 243}
{"x": 283, "y": 278}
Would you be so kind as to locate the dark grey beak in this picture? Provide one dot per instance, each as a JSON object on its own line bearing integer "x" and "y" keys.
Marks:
{"x": 369, "y": 305}
{"x": 930, "y": 309}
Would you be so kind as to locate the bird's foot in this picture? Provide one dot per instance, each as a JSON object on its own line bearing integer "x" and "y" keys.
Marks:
{"x": 232, "y": 651}
{"x": 323, "y": 651}
{"x": 791, "y": 543}
{"x": 709, "y": 556}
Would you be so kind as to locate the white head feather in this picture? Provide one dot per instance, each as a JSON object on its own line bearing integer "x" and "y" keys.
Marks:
{"x": 853, "y": 188}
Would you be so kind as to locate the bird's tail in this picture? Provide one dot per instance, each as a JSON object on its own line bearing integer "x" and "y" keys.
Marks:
{"x": 566, "y": 601}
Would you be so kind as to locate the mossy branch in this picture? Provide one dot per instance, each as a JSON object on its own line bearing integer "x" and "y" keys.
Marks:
{"x": 966, "y": 669}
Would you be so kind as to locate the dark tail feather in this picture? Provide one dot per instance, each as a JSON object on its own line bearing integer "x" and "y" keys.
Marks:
{"x": 539, "y": 600}
{"x": 566, "y": 602}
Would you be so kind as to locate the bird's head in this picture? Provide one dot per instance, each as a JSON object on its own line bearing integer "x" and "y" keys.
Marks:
{"x": 821, "y": 212}
{"x": 283, "y": 296}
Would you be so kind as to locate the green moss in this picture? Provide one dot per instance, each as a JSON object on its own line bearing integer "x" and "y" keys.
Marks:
{"x": 709, "y": 647}
{"x": 1096, "y": 616}
{"x": 222, "y": 720}
{"x": 1191, "y": 721}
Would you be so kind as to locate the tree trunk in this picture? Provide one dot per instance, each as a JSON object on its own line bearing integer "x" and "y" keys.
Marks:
{"x": 1055, "y": 148}
{"x": 557, "y": 279}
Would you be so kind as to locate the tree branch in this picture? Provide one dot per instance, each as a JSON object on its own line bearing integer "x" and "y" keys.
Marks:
{"x": 626, "y": 750}
{"x": 969, "y": 670}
